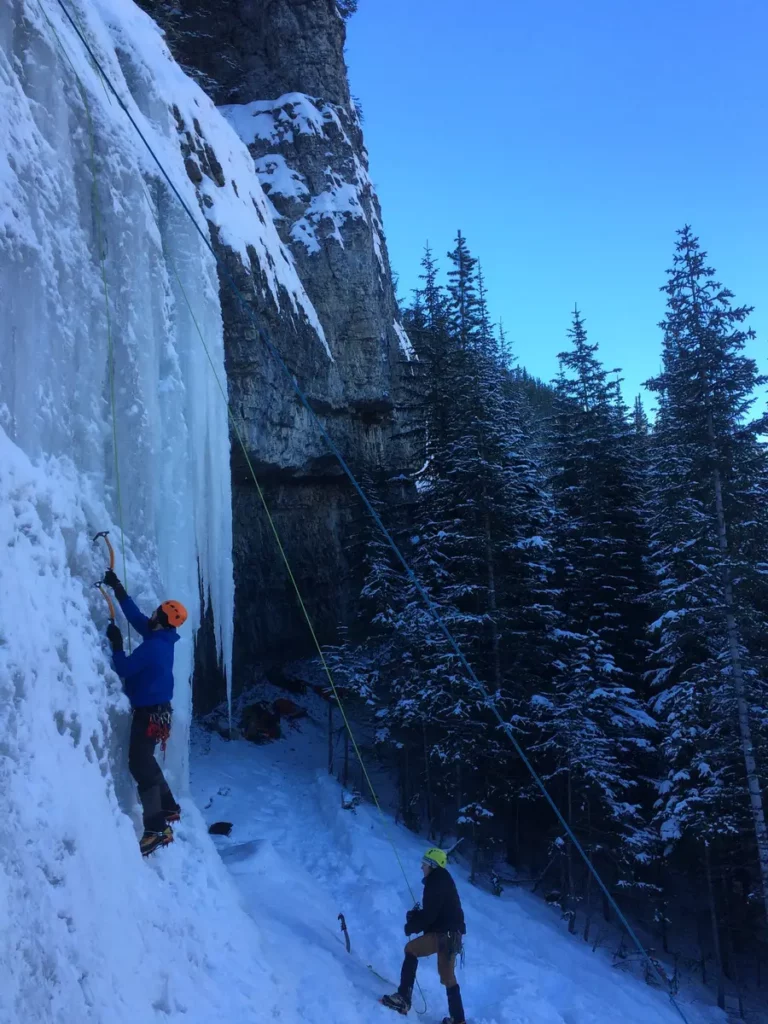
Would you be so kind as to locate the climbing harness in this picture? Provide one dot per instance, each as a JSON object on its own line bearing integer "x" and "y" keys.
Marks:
{"x": 159, "y": 724}
{"x": 433, "y": 610}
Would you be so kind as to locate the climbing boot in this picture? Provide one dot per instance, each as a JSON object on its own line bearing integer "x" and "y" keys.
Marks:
{"x": 455, "y": 1006}
{"x": 152, "y": 841}
{"x": 397, "y": 1002}
{"x": 173, "y": 815}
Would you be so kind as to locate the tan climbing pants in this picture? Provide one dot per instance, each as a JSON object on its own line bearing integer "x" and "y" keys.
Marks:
{"x": 428, "y": 945}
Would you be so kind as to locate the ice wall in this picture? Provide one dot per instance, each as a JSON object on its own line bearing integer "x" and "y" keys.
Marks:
{"x": 100, "y": 266}
{"x": 95, "y": 255}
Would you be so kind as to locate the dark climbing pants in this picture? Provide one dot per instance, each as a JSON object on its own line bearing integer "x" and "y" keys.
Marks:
{"x": 156, "y": 798}
{"x": 428, "y": 945}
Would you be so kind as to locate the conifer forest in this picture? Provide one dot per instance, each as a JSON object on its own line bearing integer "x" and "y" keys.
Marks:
{"x": 604, "y": 567}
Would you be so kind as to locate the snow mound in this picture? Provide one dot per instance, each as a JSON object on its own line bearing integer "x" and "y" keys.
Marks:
{"x": 300, "y": 859}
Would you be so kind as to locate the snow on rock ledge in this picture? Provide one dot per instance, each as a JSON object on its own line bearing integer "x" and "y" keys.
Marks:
{"x": 282, "y": 132}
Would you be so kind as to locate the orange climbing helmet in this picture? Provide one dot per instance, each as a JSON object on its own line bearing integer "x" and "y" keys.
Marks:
{"x": 174, "y": 613}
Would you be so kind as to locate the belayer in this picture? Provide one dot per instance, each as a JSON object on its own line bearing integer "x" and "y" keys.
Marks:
{"x": 441, "y": 919}
{"x": 147, "y": 677}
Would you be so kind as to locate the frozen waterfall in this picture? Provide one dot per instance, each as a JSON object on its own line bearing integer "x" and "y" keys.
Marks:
{"x": 96, "y": 252}
{"x": 98, "y": 257}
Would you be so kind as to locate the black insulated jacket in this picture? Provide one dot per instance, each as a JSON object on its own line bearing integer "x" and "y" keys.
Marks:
{"x": 441, "y": 910}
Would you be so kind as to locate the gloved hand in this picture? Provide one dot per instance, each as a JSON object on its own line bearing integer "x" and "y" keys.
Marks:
{"x": 409, "y": 926}
{"x": 115, "y": 637}
{"x": 112, "y": 580}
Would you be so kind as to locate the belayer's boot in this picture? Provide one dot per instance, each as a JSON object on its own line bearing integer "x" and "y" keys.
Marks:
{"x": 152, "y": 841}
{"x": 397, "y": 1001}
{"x": 455, "y": 1007}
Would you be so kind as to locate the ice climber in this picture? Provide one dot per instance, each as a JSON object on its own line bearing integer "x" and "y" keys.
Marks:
{"x": 441, "y": 919}
{"x": 147, "y": 676}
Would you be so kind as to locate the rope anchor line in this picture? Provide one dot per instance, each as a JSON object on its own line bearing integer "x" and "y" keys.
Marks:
{"x": 434, "y": 612}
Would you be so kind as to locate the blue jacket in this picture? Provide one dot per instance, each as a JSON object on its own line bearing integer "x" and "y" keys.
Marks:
{"x": 147, "y": 674}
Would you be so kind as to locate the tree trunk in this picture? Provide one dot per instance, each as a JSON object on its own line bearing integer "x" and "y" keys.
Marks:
{"x": 492, "y": 607}
{"x": 742, "y": 705}
{"x": 569, "y": 863}
{"x": 715, "y": 931}
{"x": 700, "y": 933}
{"x": 428, "y": 779}
{"x": 517, "y": 833}
{"x": 406, "y": 790}
{"x": 345, "y": 781}
{"x": 588, "y": 922}
{"x": 588, "y": 892}
{"x": 475, "y": 856}
{"x": 330, "y": 737}
{"x": 662, "y": 908}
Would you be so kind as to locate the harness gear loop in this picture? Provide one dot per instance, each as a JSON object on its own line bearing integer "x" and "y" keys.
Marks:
{"x": 159, "y": 725}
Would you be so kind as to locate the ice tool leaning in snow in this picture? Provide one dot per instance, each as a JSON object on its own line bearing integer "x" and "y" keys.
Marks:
{"x": 147, "y": 676}
{"x": 441, "y": 919}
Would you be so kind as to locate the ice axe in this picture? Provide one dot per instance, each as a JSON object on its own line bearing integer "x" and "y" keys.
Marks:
{"x": 346, "y": 933}
{"x": 104, "y": 535}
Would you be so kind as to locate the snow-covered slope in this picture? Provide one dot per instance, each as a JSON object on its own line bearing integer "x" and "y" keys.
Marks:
{"x": 299, "y": 860}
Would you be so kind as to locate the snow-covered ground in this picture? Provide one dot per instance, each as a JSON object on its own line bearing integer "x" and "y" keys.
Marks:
{"x": 299, "y": 859}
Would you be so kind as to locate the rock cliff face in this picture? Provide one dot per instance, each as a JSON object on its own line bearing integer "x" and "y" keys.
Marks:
{"x": 276, "y": 69}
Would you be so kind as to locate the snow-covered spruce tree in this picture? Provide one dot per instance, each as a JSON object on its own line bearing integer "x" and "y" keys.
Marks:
{"x": 483, "y": 524}
{"x": 640, "y": 419}
{"x": 597, "y": 477}
{"x": 710, "y": 554}
{"x": 594, "y": 735}
{"x": 478, "y": 540}
{"x": 347, "y": 8}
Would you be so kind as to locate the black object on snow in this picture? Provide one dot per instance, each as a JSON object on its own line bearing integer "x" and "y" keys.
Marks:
{"x": 220, "y": 828}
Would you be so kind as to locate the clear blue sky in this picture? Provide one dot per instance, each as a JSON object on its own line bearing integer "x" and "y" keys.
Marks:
{"x": 569, "y": 139}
